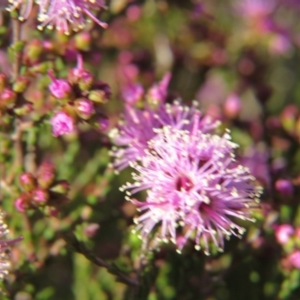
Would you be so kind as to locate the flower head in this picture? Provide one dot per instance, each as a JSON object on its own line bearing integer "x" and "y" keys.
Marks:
{"x": 67, "y": 15}
{"x": 62, "y": 124}
{"x": 194, "y": 188}
{"x": 139, "y": 127}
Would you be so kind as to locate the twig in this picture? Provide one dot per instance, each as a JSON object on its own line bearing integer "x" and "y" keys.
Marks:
{"x": 111, "y": 268}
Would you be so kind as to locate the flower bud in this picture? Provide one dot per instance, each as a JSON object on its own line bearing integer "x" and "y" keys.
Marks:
{"x": 61, "y": 187}
{"x": 33, "y": 50}
{"x": 7, "y": 98}
{"x": 40, "y": 196}
{"x": 23, "y": 202}
{"x": 91, "y": 229}
{"x": 284, "y": 187}
{"x": 294, "y": 259}
{"x": 288, "y": 117}
{"x": 27, "y": 181}
{"x": 133, "y": 93}
{"x": 232, "y": 106}
{"x": 80, "y": 76}
{"x": 84, "y": 108}
{"x": 46, "y": 175}
{"x": 21, "y": 84}
{"x": 41, "y": 68}
{"x": 24, "y": 109}
{"x": 283, "y": 233}
{"x": 97, "y": 96}
{"x": 62, "y": 124}
{"x": 59, "y": 88}
{"x": 158, "y": 92}
{"x": 83, "y": 41}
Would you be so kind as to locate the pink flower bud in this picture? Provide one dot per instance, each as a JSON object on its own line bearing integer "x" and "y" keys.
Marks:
{"x": 294, "y": 259}
{"x": 21, "y": 84}
{"x": 84, "y": 108}
{"x": 91, "y": 229}
{"x": 284, "y": 187}
{"x": 61, "y": 124}
{"x": 7, "y": 98}
{"x": 40, "y": 196}
{"x": 21, "y": 204}
{"x": 46, "y": 175}
{"x": 132, "y": 93}
{"x": 61, "y": 187}
{"x": 80, "y": 76}
{"x": 158, "y": 92}
{"x": 232, "y": 106}
{"x": 283, "y": 233}
{"x": 59, "y": 88}
{"x": 27, "y": 182}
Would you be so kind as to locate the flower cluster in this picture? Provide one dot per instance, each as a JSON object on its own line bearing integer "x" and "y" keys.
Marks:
{"x": 78, "y": 99}
{"x": 63, "y": 15}
{"x": 41, "y": 190}
{"x": 4, "y": 247}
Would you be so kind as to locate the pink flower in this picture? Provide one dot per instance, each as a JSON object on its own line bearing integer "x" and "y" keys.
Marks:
{"x": 255, "y": 8}
{"x": 283, "y": 233}
{"x": 194, "y": 189}
{"x": 61, "y": 124}
{"x": 294, "y": 259}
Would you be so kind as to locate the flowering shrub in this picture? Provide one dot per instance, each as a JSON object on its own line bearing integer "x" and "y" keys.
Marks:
{"x": 149, "y": 149}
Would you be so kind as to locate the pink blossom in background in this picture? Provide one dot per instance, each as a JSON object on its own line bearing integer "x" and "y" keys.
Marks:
{"x": 294, "y": 259}
{"x": 61, "y": 124}
{"x": 284, "y": 187}
{"x": 232, "y": 105}
{"x": 255, "y": 8}
{"x": 283, "y": 233}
